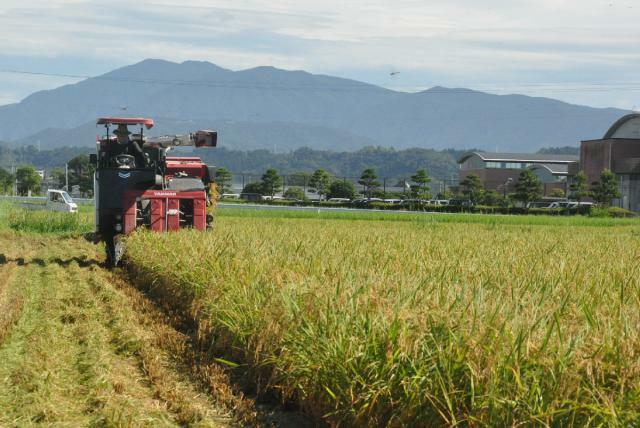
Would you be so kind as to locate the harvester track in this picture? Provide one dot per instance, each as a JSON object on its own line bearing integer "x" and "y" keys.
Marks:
{"x": 79, "y": 346}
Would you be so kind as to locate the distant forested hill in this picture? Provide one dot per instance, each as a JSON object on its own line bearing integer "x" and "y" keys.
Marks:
{"x": 566, "y": 150}
{"x": 387, "y": 162}
{"x": 42, "y": 159}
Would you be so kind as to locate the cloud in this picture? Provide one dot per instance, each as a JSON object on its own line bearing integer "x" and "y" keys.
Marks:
{"x": 459, "y": 41}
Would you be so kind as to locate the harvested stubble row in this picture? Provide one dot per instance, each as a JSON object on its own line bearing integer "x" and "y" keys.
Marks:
{"x": 375, "y": 323}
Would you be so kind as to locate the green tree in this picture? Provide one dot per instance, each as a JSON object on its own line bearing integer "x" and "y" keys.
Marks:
{"x": 223, "y": 180}
{"x": 606, "y": 189}
{"x": 58, "y": 177}
{"x": 81, "y": 173}
{"x": 28, "y": 180}
{"x": 420, "y": 190}
{"x": 472, "y": 187}
{"x": 528, "y": 188}
{"x": 557, "y": 193}
{"x": 256, "y": 188}
{"x": 578, "y": 188}
{"x": 271, "y": 182}
{"x": 6, "y": 181}
{"x": 342, "y": 189}
{"x": 369, "y": 180}
{"x": 320, "y": 182}
{"x": 491, "y": 198}
{"x": 295, "y": 192}
{"x": 445, "y": 194}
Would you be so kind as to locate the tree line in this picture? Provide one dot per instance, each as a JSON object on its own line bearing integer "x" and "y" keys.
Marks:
{"x": 27, "y": 180}
{"x": 529, "y": 188}
{"x": 327, "y": 185}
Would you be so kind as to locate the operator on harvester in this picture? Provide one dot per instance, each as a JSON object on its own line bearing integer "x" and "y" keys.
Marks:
{"x": 126, "y": 146}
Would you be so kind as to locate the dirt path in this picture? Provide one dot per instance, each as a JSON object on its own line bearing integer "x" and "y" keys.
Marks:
{"x": 79, "y": 347}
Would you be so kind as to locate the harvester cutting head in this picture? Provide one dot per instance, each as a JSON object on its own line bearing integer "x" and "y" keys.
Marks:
{"x": 138, "y": 185}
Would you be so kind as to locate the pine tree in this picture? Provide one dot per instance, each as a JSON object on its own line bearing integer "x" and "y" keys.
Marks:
{"x": 320, "y": 182}
{"x": 369, "y": 180}
{"x": 223, "y": 176}
{"x": 472, "y": 187}
{"x": 528, "y": 188}
{"x": 421, "y": 190}
{"x": 606, "y": 189}
{"x": 271, "y": 182}
{"x": 578, "y": 187}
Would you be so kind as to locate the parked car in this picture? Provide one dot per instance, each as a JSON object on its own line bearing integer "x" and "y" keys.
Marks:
{"x": 541, "y": 204}
{"x": 437, "y": 202}
{"x": 461, "y": 203}
{"x": 363, "y": 202}
{"x": 253, "y": 197}
{"x": 230, "y": 196}
{"x": 342, "y": 200}
{"x": 412, "y": 202}
{"x": 569, "y": 204}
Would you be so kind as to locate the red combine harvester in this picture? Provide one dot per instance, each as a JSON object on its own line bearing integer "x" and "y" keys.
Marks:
{"x": 138, "y": 185}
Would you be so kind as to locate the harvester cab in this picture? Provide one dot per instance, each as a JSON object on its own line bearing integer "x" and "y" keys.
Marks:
{"x": 138, "y": 185}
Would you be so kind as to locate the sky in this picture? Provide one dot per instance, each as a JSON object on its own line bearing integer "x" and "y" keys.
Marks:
{"x": 580, "y": 51}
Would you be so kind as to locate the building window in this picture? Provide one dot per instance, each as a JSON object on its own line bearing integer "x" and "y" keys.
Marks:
{"x": 493, "y": 165}
{"x": 514, "y": 165}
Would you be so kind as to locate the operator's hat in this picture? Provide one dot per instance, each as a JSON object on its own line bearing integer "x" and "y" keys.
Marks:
{"x": 122, "y": 129}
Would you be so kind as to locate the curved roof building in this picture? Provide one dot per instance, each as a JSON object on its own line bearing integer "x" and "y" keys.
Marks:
{"x": 626, "y": 127}
{"x": 500, "y": 170}
{"x": 619, "y": 151}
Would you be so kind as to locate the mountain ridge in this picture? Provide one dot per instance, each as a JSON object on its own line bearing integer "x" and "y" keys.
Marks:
{"x": 319, "y": 111}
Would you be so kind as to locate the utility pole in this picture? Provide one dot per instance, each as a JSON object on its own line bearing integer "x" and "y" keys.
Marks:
{"x": 66, "y": 177}
{"x": 15, "y": 179}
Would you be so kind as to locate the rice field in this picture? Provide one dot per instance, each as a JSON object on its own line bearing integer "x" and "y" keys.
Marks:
{"x": 418, "y": 217}
{"x": 416, "y": 322}
{"x": 14, "y": 217}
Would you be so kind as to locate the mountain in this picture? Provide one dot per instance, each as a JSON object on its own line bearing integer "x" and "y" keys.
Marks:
{"x": 269, "y": 108}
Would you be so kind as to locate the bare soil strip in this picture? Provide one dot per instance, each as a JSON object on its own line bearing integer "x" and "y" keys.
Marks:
{"x": 85, "y": 348}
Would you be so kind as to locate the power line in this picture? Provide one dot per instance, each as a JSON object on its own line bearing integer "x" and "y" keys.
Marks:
{"x": 540, "y": 87}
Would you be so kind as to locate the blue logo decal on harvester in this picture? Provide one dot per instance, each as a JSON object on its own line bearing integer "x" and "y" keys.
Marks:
{"x": 124, "y": 174}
